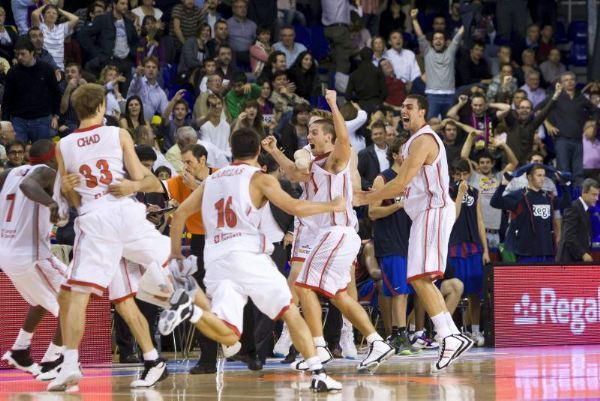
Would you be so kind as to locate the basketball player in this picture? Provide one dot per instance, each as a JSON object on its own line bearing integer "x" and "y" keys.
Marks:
{"x": 423, "y": 180}
{"x": 334, "y": 242}
{"x": 26, "y": 221}
{"x": 236, "y": 254}
{"x": 107, "y": 229}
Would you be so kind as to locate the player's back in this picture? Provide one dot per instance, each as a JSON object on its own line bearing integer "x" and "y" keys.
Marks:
{"x": 429, "y": 188}
{"x": 95, "y": 153}
{"x": 230, "y": 218}
{"x": 25, "y": 225}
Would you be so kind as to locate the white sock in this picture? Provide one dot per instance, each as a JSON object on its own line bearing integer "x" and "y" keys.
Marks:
{"x": 451, "y": 323}
{"x": 71, "y": 357}
{"x": 419, "y": 333}
{"x": 23, "y": 340}
{"x": 319, "y": 341}
{"x": 151, "y": 355}
{"x": 441, "y": 325}
{"x": 374, "y": 337}
{"x": 53, "y": 352}
{"x": 412, "y": 327}
{"x": 314, "y": 363}
{"x": 475, "y": 328}
{"x": 196, "y": 314}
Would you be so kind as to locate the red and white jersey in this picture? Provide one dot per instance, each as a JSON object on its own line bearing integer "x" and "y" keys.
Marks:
{"x": 429, "y": 188}
{"x": 324, "y": 186}
{"x": 25, "y": 225}
{"x": 95, "y": 153}
{"x": 231, "y": 221}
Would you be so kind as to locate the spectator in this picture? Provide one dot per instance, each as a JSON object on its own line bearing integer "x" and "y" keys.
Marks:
{"x": 7, "y": 133}
{"x": 378, "y": 46}
{"x": 565, "y": 124}
{"x": 336, "y": 19}
{"x": 214, "y": 85}
{"x": 110, "y": 39}
{"x": 152, "y": 43}
{"x": 355, "y": 118}
{"x": 194, "y": 52}
{"x": 373, "y": 159}
{"x": 225, "y": 67}
{"x": 68, "y": 120}
{"x": 242, "y": 31}
{"x": 511, "y": 17}
{"x": 20, "y": 10}
{"x": 517, "y": 98}
{"x": 144, "y": 135}
{"x": 55, "y": 34}
{"x": 110, "y": 77}
{"x": 175, "y": 117}
{"x": 259, "y": 52}
{"x": 240, "y": 92}
{"x": 282, "y": 97}
{"x": 200, "y": 76}
{"x": 532, "y": 38}
{"x": 473, "y": 68}
{"x": 396, "y": 89}
{"x": 393, "y": 19}
{"x": 468, "y": 249}
{"x": 576, "y": 237}
{"x": 293, "y": 134}
{"x": 266, "y": 107}
{"x": 366, "y": 85}
{"x": 36, "y": 36}
{"x": 145, "y": 85}
{"x": 134, "y": 114}
{"x": 221, "y": 37}
{"x": 439, "y": 25}
{"x": 503, "y": 56}
{"x": 503, "y": 86}
{"x": 546, "y": 44}
{"x": 552, "y": 68}
{"x": 532, "y": 88}
{"x": 403, "y": 60}
{"x": 31, "y": 96}
{"x": 250, "y": 117}
{"x": 359, "y": 35}
{"x": 520, "y": 182}
{"x": 288, "y": 13}
{"x": 530, "y": 234}
{"x": 452, "y": 145}
{"x": 591, "y": 149}
{"x": 184, "y": 136}
{"x": 216, "y": 130}
{"x": 212, "y": 15}
{"x": 185, "y": 20}
{"x": 304, "y": 74}
{"x": 288, "y": 46}
{"x": 528, "y": 65}
{"x": 439, "y": 67}
{"x": 15, "y": 152}
{"x": 8, "y": 37}
{"x": 146, "y": 9}
{"x": 276, "y": 62}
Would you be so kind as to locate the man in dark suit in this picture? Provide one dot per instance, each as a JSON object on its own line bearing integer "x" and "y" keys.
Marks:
{"x": 575, "y": 239}
{"x": 373, "y": 159}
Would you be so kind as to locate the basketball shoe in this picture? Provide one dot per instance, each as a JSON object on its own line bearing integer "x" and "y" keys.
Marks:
{"x": 451, "y": 348}
{"x": 321, "y": 383}
{"x": 21, "y": 359}
{"x": 68, "y": 378}
{"x": 347, "y": 341}
{"x": 283, "y": 343}
{"x": 181, "y": 310}
{"x": 379, "y": 351}
{"x": 154, "y": 371}
{"x": 50, "y": 370}
{"x": 323, "y": 353}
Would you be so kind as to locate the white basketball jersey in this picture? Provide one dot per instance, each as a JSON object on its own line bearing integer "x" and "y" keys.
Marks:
{"x": 429, "y": 188}
{"x": 25, "y": 225}
{"x": 95, "y": 153}
{"x": 324, "y": 186}
{"x": 230, "y": 219}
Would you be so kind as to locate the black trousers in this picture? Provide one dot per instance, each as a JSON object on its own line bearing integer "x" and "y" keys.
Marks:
{"x": 208, "y": 348}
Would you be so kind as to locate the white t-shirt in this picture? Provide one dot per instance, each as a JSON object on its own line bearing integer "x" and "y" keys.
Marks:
{"x": 54, "y": 41}
{"x": 357, "y": 141}
{"x": 121, "y": 49}
{"x": 404, "y": 63}
{"x": 384, "y": 163}
{"x": 217, "y": 135}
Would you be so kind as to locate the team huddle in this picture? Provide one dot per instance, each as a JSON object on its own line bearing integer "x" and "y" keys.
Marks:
{"x": 96, "y": 170}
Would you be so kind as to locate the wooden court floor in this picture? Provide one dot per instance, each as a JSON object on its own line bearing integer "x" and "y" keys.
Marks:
{"x": 542, "y": 373}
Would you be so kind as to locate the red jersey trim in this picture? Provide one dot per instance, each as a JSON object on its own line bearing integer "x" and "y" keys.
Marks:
{"x": 122, "y": 299}
{"x": 321, "y": 157}
{"x": 86, "y": 129}
{"x": 433, "y": 275}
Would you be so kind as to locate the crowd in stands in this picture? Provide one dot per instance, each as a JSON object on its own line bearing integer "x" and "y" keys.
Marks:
{"x": 520, "y": 128}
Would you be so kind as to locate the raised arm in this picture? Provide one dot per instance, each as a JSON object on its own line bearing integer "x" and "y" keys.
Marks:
{"x": 270, "y": 189}
{"x": 481, "y": 231}
{"x": 417, "y": 27}
{"x": 453, "y": 112}
{"x": 502, "y": 109}
{"x": 340, "y": 155}
{"x": 269, "y": 144}
{"x": 72, "y": 19}
{"x": 166, "y": 115}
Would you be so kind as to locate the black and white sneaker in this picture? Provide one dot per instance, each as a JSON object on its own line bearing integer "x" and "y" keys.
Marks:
{"x": 321, "y": 383}
{"x": 154, "y": 371}
{"x": 50, "y": 370}
{"x": 21, "y": 359}
{"x": 379, "y": 351}
{"x": 181, "y": 310}
{"x": 451, "y": 348}
{"x": 324, "y": 356}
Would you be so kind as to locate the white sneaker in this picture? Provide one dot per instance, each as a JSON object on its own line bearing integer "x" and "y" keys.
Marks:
{"x": 21, "y": 359}
{"x": 321, "y": 383}
{"x": 452, "y": 347}
{"x": 67, "y": 379}
{"x": 154, "y": 371}
{"x": 50, "y": 370}
{"x": 181, "y": 310}
{"x": 228, "y": 352}
{"x": 282, "y": 346}
{"x": 379, "y": 351}
{"x": 347, "y": 341}
{"x": 478, "y": 339}
{"x": 323, "y": 353}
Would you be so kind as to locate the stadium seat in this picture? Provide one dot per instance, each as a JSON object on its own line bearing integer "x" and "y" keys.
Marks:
{"x": 169, "y": 73}
{"x": 303, "y": 35}
{"x": 319, "y": 43}
{"x": 578, "y": 32}
{"x": 578, "y": 55}
{"x": 561, "y": 33}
